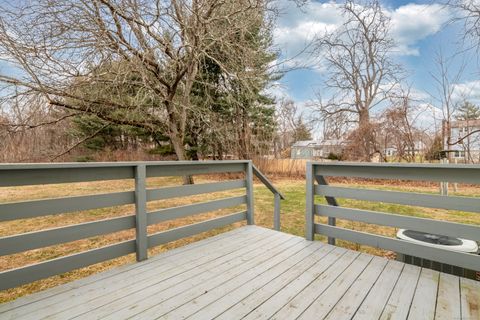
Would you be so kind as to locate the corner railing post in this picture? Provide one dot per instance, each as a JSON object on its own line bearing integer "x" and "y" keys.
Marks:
{"x": 309, "y": 232}
{"x": 276, "y": 212}
{"x": 250, "y": 207}
{"x": 141, "y": 212}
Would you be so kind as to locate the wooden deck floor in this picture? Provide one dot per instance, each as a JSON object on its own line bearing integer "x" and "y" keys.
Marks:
{"x": 256, "y": 273}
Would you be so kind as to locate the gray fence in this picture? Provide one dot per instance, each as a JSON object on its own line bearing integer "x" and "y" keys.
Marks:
{"x": 39, "y": 174}
{"x": 317, "y": 185}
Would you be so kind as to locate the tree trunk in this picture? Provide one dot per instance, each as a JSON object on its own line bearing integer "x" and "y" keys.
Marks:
{"x": 366, "y": 135}
{"x": 179, "y": 148}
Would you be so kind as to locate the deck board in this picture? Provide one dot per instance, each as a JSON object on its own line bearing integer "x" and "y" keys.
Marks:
{"x": 116, "y": 271}
{"x": 185, "y": 276}
{"x": 424, "y": 300}
{"x": 347, "y": 306}
{"x": 84, "y": 296}
{"x": 448, "y": 298}
{"x": 400, "y": 300}
{"x": 257, "y": 273}
{"x": 470, "y": 298}
{"x": 302, "y": 272}
{"x": 375, "y": 301}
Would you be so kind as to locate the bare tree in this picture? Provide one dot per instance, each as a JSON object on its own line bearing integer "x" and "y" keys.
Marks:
{"x": 468, "y": 13}
{"x": 64, "y": 50}
{"x": 447, "y": 74}
{"x": 468, "y": 126}
{"x": 336, "y": 126}
{"x": 399, "y": 128}
{"x": 30, "y": 132}
{"x": 362, "y": 73}
{"x": 291, "y": 126}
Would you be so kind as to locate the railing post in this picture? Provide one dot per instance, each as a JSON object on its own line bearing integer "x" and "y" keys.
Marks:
{"x": 332, "y": 202}
{"x": 141, "y": 212}
{"x": 250, "y": 207}
{"x": 249, "y": 178}
{"x": 276, "y": 212}
{"x": 309, "y": 232}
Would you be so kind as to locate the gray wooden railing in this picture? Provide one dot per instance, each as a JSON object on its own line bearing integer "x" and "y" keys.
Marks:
{"x": 40, "y": 174}
{"x": 277, "y": 196}
{"x": 316, "y": 172}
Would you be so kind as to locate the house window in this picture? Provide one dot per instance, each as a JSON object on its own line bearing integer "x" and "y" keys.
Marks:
{"x": 459, "y": 154}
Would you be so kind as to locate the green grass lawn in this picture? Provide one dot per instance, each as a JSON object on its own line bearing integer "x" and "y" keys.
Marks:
{"x": 293, "y": 210}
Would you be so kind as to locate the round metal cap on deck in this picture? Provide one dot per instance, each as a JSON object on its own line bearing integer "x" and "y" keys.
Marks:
{"x": 436, "y": 240}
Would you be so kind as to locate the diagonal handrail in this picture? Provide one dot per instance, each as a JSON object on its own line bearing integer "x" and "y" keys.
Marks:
{"x": 267, "y": 182}
{"x": 276, "y": 193}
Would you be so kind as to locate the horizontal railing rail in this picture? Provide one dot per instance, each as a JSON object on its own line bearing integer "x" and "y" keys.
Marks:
{"x": 317, "y": 186}
{"x": 277, "y": 196}
{"x": 39, "y": 174}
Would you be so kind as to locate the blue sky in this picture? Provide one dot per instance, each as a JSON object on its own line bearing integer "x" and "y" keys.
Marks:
{"x": 420, "y": 29}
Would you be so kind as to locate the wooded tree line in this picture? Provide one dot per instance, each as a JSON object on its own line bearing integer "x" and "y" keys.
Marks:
{"x": 188, "y": 79}
{"x": 189, "y": 73}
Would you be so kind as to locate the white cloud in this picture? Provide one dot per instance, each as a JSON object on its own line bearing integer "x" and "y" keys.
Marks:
{"x": 469, "y": 90}
{"x": 297, "y": 27}
{"x": 414, "y": 22}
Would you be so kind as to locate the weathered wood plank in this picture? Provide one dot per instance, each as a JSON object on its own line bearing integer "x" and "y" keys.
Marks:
{"x": 269, "y": 259}
{"x": 123, "y": 292}
{"x": 424, "y": 300}
{"x": 158, "y": 286}
{"x": 327, "y": 300}
{"x": 297, "y": 277}
{"x": 193, "y": 168}
{"x": 452, "y": 229}
{"x": 448, "y": 298}
{"x": 19, "y": 276}
{"x": 470, "y": 298}
{"x": 193, "y": 209}
{"x": 374, "y": 303}
{"x": 256, "y": 273}
{"x": 67, "y": 174}
{"x": 44, "y": 207}
{"x": 228, "y": 294}
{"x": 401, "y": 171}
{"x": 400, "y": 300}
{"x": 469, "y": 204}
{"x": 33, "y": 298}
{"x": 49, "y": 237}
{"x": 298, "y": 302}
{"x": 346, "y": 307}
{"x": 194, "y": 189}
{"x": 113, "y": 280}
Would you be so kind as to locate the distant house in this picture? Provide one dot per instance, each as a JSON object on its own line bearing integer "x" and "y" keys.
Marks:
{"x": 469, "y": 147}
{"x": 316, "y": 149}
{"x": 390, "y": 151}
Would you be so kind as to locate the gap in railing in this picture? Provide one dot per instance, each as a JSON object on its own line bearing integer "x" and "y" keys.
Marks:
{"x": 400, "y": 209}
{"x": 428, "y": 187}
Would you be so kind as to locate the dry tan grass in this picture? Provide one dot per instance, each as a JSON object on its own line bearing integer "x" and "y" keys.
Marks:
{"x": 291, "y": 168}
